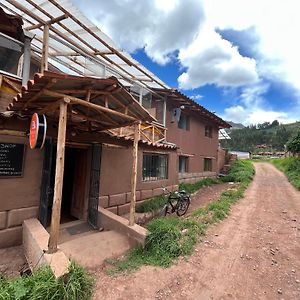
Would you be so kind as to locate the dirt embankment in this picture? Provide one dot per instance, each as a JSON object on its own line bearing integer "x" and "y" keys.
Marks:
{"x": 253, "y": 254}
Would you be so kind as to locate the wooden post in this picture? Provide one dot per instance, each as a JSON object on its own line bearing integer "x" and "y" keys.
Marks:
{"x": 137, "y": 127}
{"x": 45, "y": 51}
{"x": 59, "y": 176}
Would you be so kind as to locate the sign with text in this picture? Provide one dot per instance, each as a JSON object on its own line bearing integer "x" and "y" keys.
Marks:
{"x": 11, "y": 159}
{"x": 38, "y": 129}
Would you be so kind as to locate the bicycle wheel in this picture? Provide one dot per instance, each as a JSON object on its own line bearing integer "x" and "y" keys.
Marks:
{"x": 167, "y": 209}
{"x": 182, "y": 206}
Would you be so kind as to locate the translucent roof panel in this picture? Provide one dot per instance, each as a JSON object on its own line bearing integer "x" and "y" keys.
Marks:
{"x": 78, "y": 44}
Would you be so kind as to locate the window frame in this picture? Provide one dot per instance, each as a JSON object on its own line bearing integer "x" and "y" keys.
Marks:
{"x": 158, "y": 172}
{"x": 207, "y": 167}
{"x": 187, "y": 122}
{"x": 186, "y": 163}
{"x": 208, "y": 131}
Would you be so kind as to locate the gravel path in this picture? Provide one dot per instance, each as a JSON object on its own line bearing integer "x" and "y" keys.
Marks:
{"x": 253, "y": 254}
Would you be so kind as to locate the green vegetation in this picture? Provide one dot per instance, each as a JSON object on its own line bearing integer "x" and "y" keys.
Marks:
{"x": 293, "y": 144}
{"x": 158, "y": 202}
{"x": 273, "y": 135}
{"x": 291, "y": 167}
{"x": 194, "y": 187}
{"x": 42, "y": 285}
{"x": 170, "y": 238}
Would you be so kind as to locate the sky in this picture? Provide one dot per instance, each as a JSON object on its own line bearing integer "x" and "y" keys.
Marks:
{"x": 238, "y": 58}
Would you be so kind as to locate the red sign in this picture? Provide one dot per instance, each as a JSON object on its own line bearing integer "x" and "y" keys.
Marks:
{"x": 38, "y": 128}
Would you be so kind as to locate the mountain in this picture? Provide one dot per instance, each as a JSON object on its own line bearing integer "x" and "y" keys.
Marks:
{"x": 270, "y": 136}
{"x": 236, "y": 125}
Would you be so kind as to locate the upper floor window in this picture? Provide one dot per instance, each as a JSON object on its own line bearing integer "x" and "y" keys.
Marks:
{"x": 183, "y": 164}
{"x": 155, "y": 166}
{"x": 184, "y": 122}
{"x": 208, "y": 131}
{"x": 207, "y": 164}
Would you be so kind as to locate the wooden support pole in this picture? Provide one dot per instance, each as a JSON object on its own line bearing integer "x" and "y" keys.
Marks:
{"x": 45, "y": 51}
{"x": 137, "y": 128}
{"x": 59, "y": 176}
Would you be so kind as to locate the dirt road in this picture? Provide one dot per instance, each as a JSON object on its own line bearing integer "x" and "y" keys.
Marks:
{"x": 253, "y": 254}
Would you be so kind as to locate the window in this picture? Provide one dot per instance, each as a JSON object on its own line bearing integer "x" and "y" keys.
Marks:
{"x": 155, "y": 166}
{"x": 183, "y": 122}
{"x": 208, "y": 131}
{"x": 207, "y": 164}
{"x": 183, "y": 164}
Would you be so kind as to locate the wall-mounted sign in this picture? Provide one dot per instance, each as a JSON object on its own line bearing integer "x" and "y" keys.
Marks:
{"x": 38, "y": 129}
{"x": 11, "y": 159}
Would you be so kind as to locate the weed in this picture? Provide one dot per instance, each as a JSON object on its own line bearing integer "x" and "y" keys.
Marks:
{"x": 42, "y": 285}
{"x": 170, "y": 238}
{"x": 291, "y": 167}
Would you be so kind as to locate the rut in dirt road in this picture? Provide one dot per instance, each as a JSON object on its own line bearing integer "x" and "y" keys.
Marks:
{"x": 253, "y": 254}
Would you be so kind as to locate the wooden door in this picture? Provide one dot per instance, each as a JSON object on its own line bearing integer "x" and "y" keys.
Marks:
{"x": 79, "y": 183}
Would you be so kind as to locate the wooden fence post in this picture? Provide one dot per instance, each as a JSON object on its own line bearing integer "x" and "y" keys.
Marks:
{"x": 137, "y": 128}
{"x": 59, "y": 177}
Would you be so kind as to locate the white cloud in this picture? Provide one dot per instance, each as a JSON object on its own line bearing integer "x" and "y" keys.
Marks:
{"x": 254, "y": 108}
{"x": 159, "y": 27}
{"x": 213, "y": 60}
{"x": 196, "y": 97}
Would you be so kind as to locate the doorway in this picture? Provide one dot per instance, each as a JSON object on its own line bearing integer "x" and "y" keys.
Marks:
{"x": 74, "y": 184}
{"x": 74, "y": 194}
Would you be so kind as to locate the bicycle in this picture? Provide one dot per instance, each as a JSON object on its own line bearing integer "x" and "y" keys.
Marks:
{"x": 178, "y": 202}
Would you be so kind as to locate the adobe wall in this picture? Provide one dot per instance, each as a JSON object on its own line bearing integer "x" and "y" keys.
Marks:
{"x": 221, "y": 159}
{"x": 20, "y": 197}
{"x": 115, "y": 178}
{"x": 194, "y": 142}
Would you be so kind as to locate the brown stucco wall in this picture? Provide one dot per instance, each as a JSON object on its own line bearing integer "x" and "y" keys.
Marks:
{"x": 115, "y": 178}
{"x": 193, "y": 141}
{"x": 19, "y": 196}
{"x": 221, "y": 158}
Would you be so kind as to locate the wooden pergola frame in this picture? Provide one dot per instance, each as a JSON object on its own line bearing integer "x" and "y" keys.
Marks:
{"x": 75, "y": 44}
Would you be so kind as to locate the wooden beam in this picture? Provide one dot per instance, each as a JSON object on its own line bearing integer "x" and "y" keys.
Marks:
{"x": 137, "y": 128}
{"x": 52, "y": 21}
{"x": 90, "y": 105}
{"x": 45, "y": 51}
{"x": 59, "y": 176}
{"x": 40, "y": 92}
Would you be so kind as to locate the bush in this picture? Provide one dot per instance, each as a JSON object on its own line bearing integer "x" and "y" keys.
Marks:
{"x": 291, "y": 167}
{"x": 240, "y": 171}
{"x": 42, "y": 285}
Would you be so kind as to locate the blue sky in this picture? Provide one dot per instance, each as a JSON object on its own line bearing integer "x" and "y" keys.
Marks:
{"x": 244, "y": 66}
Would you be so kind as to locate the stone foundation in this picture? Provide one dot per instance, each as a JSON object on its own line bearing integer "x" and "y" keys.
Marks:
{"x": 119, "y": 204}
{"x": 194, "y": 177}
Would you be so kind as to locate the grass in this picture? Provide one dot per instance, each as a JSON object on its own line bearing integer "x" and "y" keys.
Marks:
{"x": 42, "y": 285}
{"x": 170, "y": 238}
{"x": 291, "y": 167}
{"x": 158, "y": 202}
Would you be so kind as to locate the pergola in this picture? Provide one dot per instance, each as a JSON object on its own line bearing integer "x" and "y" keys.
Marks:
{"x": 84, "y": 104}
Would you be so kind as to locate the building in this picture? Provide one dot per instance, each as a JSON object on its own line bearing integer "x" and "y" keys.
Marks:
{"x": 115, "y": 133}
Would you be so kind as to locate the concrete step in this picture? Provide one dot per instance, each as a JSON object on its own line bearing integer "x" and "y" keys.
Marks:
{"x": 91, "y": 250}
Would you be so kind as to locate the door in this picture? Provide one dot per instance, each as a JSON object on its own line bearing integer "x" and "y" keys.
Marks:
{"x": 94, "y": 185}
{"x": 46, "y": 197}
{"x": 79, "y": 182}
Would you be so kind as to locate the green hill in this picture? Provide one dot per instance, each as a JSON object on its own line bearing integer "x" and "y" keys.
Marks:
{"x": 272, "y": 135}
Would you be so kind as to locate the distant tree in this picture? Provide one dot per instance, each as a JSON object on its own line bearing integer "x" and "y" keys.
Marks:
{"x": 275, "y": 123}
{"x": 293, "y": 144}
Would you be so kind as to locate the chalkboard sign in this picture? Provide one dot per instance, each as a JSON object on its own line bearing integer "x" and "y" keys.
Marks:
{"x": 11, "y": 159}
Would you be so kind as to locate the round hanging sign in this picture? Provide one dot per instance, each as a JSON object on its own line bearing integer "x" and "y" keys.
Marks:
{"x": 38, "y": 128}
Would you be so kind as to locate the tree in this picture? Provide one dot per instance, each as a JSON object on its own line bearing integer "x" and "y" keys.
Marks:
{"x": 293, "y": 144}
